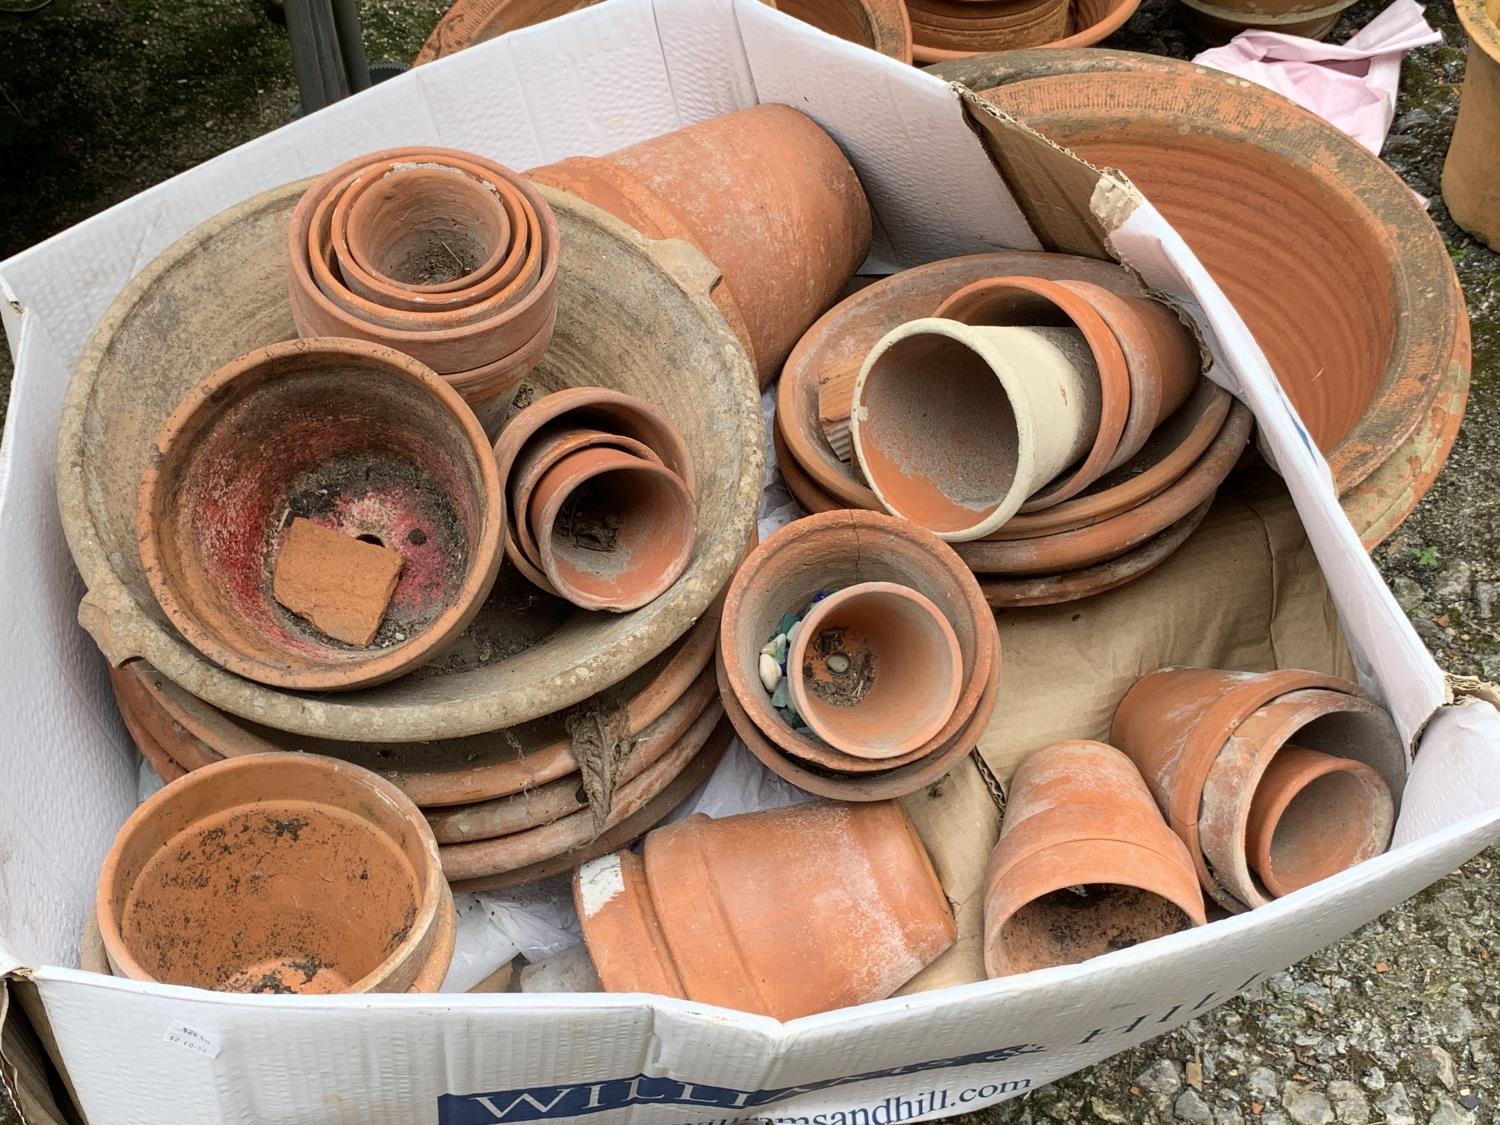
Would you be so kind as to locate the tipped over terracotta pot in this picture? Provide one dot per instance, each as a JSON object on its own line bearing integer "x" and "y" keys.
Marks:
{"x": 277, "y": 873}
{"x": 955, "y": 426}
{"x": 782, "y": 913}
{"x": 362, "y": 443}
{"x": 1085, "y": 864}
{"x": 764, "y": 193}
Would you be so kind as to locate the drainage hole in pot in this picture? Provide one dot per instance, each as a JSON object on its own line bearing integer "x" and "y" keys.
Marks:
{"x": 841, "y": 671}
{"x": 372, "y": 539}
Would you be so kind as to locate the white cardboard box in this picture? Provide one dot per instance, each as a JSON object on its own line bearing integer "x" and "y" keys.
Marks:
{"x": 589, "y": 83}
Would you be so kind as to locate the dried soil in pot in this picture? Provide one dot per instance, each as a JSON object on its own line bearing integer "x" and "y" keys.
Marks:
{"x": 848, "y": 331}
{"x": 208, "y": 883}
{"x": 352, "y": 436}
{"x": 1354, "y": 299}
{"x": 221, "y": 291}
{"x": 433, "y": 774}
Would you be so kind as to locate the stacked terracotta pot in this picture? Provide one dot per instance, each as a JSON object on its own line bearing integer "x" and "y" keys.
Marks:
{"x": 1273, "y": 780}
{"x": 786, "y": 241}
{"x": 857, "y": 657}
{"x": 954, "y": 29}
{"x": 206, "y": 884}
{"x": 600, "y": 486}
{"x": 1051, "y": 422}
{"x": 783, "y": 913}
{"x": 442, "y": 254}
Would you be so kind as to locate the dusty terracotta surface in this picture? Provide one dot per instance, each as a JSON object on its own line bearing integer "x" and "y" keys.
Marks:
{"x": 955, "y": 426}
{"x": 815, "y": 907}
{"x": 1354, "y": 265}
{"x": 207, "y": 883}
{"x": 1040, "y": 300}
{"x": 875, "y": 670}
{"x": 1090, "y": 21}
{"x": 768, "y": 197}
{"x": 1220, "y": 22}
{"x": 848, "y": 331}
{"x": 339, "y": 583}
{"x": 829, "y": 552}
{"x": 1085, "y": 865}
{"x": 882, "y": 25}
{"x": 1470, "y": 187}
{"x": 1315, "y": 815}
{"x": 1174, "y": 722}
{"x": 1355, "y": 824}
{"x": 613, "y": 531}
{"x": 1110, "y": 538}
{"x": 460, "y": 772}
{"x": 943, "y": 27}
{"x": 352, "y": 436}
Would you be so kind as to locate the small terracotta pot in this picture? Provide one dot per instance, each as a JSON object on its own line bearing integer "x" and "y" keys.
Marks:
{"x": 1470, "y": 188}
{"x": 352, "y": 436}
{"x": 613, "y": 531}
{"x": 765, "y": 194}
{"x": 1037, "y": 300}
{"x": 955, "y": 426}
{"x": 1319, "y": 839}
{"x": 1315, "y": 815}
{"x": 274, "y": 873}
{"x": 1175, "y": 723}
{"x": 832, "y": 551}
{"x": 875, "y": 670}
{"x": 1084, "y": 865}
{"x": 782, "y": 913}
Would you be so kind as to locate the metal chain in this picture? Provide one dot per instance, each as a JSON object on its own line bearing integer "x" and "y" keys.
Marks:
{"x": 991, "y": 782}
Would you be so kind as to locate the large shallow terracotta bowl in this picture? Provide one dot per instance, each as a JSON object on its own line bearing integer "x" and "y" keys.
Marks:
{"x": 1334, "y": 264}
{"x": 632, "y": 315}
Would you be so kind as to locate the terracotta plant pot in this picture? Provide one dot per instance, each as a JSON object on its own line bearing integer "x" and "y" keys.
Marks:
{"x": 1084, "y": 865}
{"x": 1469, "y": 184}
{"x": 1218, "y": 23}
{"x": 1040, "y": 301}
{"x": 1186, "y": 727}
{"x": 830, "y": 552}
{"x": 786, "y": 237}
{"x": 783, "y": 913}
{"x": 881, "y": 25}
{"x": 1248, "y": 788}
{"x": 955, "y": 426}
{"x": 613, "y": 531}
{"x": 274, "y": 873}
{"x": 483, "y": 337}
{"x": 875, "y": 670}
{"x": 1355, "y": 302}
{"x": 1090, "y": 21}
{"x": 948, "y": 26}
{"x": 353, "y": 437}
{"x": 1315, "y": 815}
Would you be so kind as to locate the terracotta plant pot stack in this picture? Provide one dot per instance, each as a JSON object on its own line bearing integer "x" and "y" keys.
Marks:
{"x": 1470, "y": 187}
{"x": 881, "y": 25}
{"x": 507, "y": 807}
{"x": 1334, "y": 300}
{"x": 925, "y": 394}
{"x": 1273, "y": 780}
{"x": 312, "y": 483}
{"x": 783, "y": 913}
{"x": 600, "y": 486}
{"x": 438, "y": 253}
{"x": 1085, "y": 864}
{"x": 278, "y": 874}
{"x": 954, "y": 29}
{"x": 764, "y": 193}
{"x": 811, "y": 616}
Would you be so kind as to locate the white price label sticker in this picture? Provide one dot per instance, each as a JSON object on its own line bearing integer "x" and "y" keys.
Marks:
{"x": 199, "y": 1042}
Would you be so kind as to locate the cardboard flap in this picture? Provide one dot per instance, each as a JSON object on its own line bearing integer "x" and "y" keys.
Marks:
{"x": 26, "y": 1073}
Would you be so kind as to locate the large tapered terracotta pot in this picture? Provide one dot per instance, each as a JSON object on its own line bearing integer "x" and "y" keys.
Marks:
{"x": 353, "y": 438}
{"x": 764, "y": 193}
{"x": 782, "y": 913}
{"x": 276, "y": 873}
{"x": 1347, "y": 287}
{"x": 1084, "y": 865}
{"x": 1470, "y": 187}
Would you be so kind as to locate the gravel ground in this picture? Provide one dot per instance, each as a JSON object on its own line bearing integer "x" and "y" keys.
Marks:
{"x": 1397, "y": 1023}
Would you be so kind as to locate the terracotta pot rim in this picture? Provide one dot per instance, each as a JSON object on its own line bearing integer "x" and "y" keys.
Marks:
{"x": 1109, "y": 356}
{"x": 1084, "y": 37}
{"x": 1252, "y": 20}
{"x": 317, "y": 768}
{"x": 201, "y": 404}
{"x": 821, "y": 610}
{"x": 1479, "y": 26}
